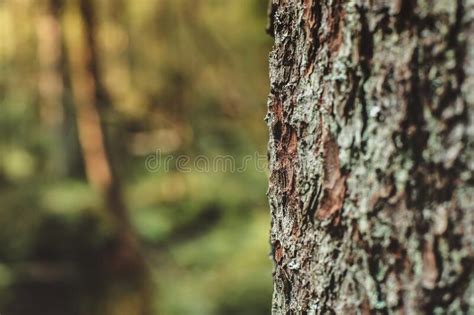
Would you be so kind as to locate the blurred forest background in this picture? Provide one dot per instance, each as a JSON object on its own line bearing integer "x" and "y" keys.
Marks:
{"x": 88, "y": 90}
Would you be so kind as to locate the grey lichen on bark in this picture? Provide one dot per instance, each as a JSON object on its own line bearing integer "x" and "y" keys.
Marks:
{"x": 371, "y": 156}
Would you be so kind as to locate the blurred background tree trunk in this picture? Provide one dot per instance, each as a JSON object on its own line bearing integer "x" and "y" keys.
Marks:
{"x": 371, "y": 149}
{"x": 123, "y": 263}
{"x": 55, "y": 106}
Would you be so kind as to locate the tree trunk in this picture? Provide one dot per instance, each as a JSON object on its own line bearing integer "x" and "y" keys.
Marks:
{"x": 126, "y": 269}
{"x": 371, "y": 156}
{"x": 55, "y": 108}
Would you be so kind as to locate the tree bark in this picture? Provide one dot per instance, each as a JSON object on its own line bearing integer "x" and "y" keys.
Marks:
{"x": 371, "y": 156}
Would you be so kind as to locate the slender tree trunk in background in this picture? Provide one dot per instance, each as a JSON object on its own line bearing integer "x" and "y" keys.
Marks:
{"x": 50, "y": 56}
{"x": 371, "y": 156}
{"x": 123, "y": 261}
{"x": 55, "y": 108}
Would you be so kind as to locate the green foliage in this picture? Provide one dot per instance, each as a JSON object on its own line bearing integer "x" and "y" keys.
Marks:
{"x": 183, "y": 77}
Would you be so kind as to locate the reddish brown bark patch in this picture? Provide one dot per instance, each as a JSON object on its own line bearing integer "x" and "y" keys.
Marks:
{"x": 334, "y": 187}
{"x": 278, "y": 252}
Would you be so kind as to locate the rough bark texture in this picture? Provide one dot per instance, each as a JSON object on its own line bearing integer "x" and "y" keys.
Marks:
{"x": 371, "y": 156}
